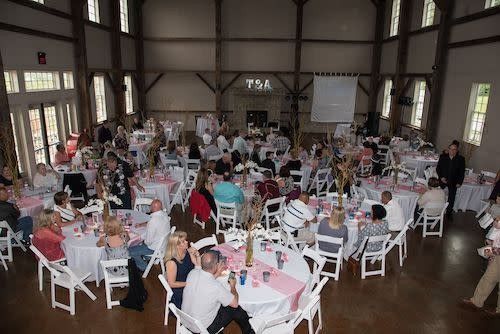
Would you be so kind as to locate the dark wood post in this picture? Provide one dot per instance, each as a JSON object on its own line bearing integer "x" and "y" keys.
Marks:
{"x": 402, "y": 57}
{"x": 81, "y": 66}
{"x": 218, "y": 58}
{"x": 440, "y": 63}
{"x": 116, "y": 62}
{"x": 139, "y": 58}
{"x": 373, "y": 116}
{"x": 297, "y": 65}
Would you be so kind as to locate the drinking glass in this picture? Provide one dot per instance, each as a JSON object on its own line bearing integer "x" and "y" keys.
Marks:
{"x": 281, "y": 262}
{"x": 278, "y": 255}
{"x": 243, "y": 276}
{"x": 266, "y": 275}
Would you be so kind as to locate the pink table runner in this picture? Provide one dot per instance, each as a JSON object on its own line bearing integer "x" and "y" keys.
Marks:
{"x": 280, "y": 281}
{"x": 419, "y": 188}
{"x": 30, "y": 206}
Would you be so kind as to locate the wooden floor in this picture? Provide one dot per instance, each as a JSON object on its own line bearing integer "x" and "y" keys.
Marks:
{"x": 422, "y": 297}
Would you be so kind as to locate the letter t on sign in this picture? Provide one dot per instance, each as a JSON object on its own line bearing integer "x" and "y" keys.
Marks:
{"x": 249, "y": 83}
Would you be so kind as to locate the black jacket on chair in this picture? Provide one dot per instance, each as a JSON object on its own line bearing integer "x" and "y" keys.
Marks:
{"x": 77, "y": 184}
{"x": 451, "y": 169}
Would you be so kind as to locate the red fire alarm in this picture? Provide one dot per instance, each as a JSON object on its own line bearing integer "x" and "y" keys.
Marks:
{"x": 42, "y": 59}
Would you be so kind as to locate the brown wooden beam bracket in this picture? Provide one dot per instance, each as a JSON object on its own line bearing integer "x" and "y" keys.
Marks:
{"x": 230, "y": 83}
{"x": 205, "y": 81}
{"x": 441, "y": 4}
{"x": 363, "y": 88}
{"x": 309, "y": 83}
{"x": 406, "y": 87}
{"x": 284, "y": 83}
{"x": 472, "y": 42}
{"x": 151, "y": 85}
{"x": 34, "y": 32}
{"x": 110, "y": 80}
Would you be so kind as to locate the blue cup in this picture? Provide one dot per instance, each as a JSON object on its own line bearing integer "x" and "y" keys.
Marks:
{"x": 243, "y": 276}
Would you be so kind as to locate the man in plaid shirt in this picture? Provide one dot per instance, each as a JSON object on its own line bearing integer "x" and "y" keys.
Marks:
{"x": 281, "y": 142}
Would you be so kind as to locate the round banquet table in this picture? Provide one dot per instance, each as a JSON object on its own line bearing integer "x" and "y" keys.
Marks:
{"x": 90, "y": 175}
{"x": 470, "y": 194}
{"x": 281, "y": 294}
{"x": 81, "y": 251}
{"x": 406, "y": 198}
{"x": 418, "y": 161}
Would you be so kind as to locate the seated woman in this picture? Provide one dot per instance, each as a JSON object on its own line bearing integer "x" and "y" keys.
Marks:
{"x": 294, "y": 162}
{"x": 367, "y": 152}
{"x": 434, "y": 194}
{"x": 179, "y": 259}
{"x": 285, "y": 181}
{"x": 121, "y": 141}
{"x": 204, "y": 186}
{"x": 61, "y": 156}
{"x": 171, "y": 153}
{"x": 45, "y": 178}
{"x": 6, "y": 178}
{"x": 47, "y": 236}
{"x": 194, "y": 151}
{"x": 115, "y": 244}
{"x": 377, "y": 226}
{"x": 333, "y": 227}
{"x": 255, "y": 155}
{"x": 64, "y": 213}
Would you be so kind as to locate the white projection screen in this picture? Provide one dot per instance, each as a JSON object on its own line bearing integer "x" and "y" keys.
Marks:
{"x": 334, "y": 99}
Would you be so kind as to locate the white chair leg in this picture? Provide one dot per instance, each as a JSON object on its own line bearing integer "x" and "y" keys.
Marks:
{"x": 72, "y": 300}
{"x": 363, "y": 268}
{"x": 310, "y": 326}
{"x": 3, "y": 263}
{"x": 383, "y": 266}
{"x": 40, "y": 276}
{"x": 162, "y": 265}
{"x": 320, "y": 319}
{"x": 108, "y": 295}
{"x": 148, "y": 268}
{"x": 165, "y": 322}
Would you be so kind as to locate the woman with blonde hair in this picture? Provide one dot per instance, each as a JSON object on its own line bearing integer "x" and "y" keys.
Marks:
{"x": 121, "y": 140}
{"x": 48, "y": 236}
{"x": 115, "y": 241}
{"x": 333, "y": 227}
{"x": 179, "y": 259}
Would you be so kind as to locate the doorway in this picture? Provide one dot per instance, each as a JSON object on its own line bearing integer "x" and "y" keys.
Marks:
{"x": 257, "y": 117}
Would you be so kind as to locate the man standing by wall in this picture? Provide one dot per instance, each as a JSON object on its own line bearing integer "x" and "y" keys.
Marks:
{"x": 451, "y": 172}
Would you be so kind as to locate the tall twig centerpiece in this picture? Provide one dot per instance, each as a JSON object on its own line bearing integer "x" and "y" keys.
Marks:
{"x": 8, "y": 147}
{"x": 342, "y": 169}
{"x": 252, "y": 223}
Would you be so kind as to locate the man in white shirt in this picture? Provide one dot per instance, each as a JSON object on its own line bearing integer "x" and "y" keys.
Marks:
{"x": 45, "y": 178}
{"x": 207, "y": 137}
{"x": 434, "y": 195}
{"x": 239, "y": 143}
{"x": 297, "y": 218}
{"x": 395, "y": 217}
{"x": 211, "y": 150}
{"x": 157, "y": 228}
{"x": 222, "y": 142}
{"x": 207, "y": 300}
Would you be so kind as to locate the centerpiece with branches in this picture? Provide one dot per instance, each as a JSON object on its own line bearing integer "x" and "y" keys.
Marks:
{"x": 297, "y": 130}
{"x": 8, "y": 147}
{"x": 102, "y": 203}
{"x": 342, "y": 170}
{"x": 252, "y": 225}
{"x": 244, "y": 167}
{"x": 396, "y": 167}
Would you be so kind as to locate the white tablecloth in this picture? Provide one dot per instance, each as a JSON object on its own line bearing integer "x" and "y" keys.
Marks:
{"x": 418, "y": 161}
{"x": 83, "y": 254}
{"x": 406, "y": 199}
{"x": 469, "y": 196}
{"x": 203, "y": 123}
{"x": 264, "y": 300}
{"x": 160, "y": 190}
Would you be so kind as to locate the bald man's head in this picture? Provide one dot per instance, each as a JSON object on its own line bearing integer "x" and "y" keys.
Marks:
{"x": 156, "y": 206}
{"x": 304, "y": 197}
{"x": 209, "y": 262}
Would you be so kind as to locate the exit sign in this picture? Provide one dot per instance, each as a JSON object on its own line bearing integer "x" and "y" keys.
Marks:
{"x": 42, "y": 58}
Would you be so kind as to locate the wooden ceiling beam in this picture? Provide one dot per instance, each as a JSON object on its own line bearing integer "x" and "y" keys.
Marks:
{"x": 34, "y": 32}
{"x": 218, "y": 58}
{"x": 205, "y": 81}
{"x": 283, "y": 83}
{"x": 231, "y": 82}
{"x": 151, "y": 85}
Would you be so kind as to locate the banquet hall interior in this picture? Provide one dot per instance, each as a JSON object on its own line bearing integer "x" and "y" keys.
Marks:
{"x": 328, "y": 166}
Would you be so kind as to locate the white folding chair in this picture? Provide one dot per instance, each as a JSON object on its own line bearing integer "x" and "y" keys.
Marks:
{"x": 489, "y": 174}
{"x": 193, "y": 164}
{"x": 430, "y": 221}
{"x": 187, "y": 324}
{"x": 215, "y": 157}
{"x": 486, "y": 221}
{"x": 66, "y": 278}
{"x": 113, "y": 281}
{"x": 289, "y": 240}
{"x": 142, "y": 204}
{"x": 298, "y": 174}
{"x": 270, "y": 215}
{"x": 7, "y": 242}
{"x": 169, "y": 292}
{"x": 485, "y": 205}
{"x": 401, "y": 242}
{"x": 379, "y": 254}
{"x": 429, "y": 172}
{"x": 310, "y": 305}
{"x": 226, "y": 214}
{"x": 320, "y": 181}
{"x": 334, "y": 258}
{"x": 168, "y": 162}
{"x": 42, "y": 260}
{"x": 262, "y": 170}
{"x": 158, "y": 255}
{"x": 275, "y": 323}
{"x": 384, "y": 154}
{"x": 319, "y": 264}
{"x": 205, "y": 242}
{"x": 228, "y": 237}
{"x": 179, "y": 196}
{"x": 357, "y": 254}
{"x": 287, "y": 150}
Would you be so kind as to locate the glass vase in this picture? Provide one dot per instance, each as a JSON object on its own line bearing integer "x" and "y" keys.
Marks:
{"x": 249, "y": 250}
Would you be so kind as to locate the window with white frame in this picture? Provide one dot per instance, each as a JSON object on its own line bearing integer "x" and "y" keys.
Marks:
{"x": 69, "y": 117}
{"x": 37, "y": 134}
{"x": 491, "y": 3}
{"x": 124, "y": 15}
{"x": 11, "y": 83}
{"x": 396, "y": 5}
{"x": 37, "y": 81}
{"x": 51, "y": 129}
{"x": 129, "y": 101}
{"x": 428, "y": 14}
{"x": 68, "y": 80}
{"x": 100, "y": 99}
{"x": 418, "y": 104}
{"x": 93, "y": 9}
{"x": 476, "y": 115}
{"x": 16, "y": 143}
{"x": 386, "y": 106}
{"x": 39, "y": 1}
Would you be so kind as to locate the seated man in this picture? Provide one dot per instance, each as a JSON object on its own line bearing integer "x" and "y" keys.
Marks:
{"x": 45, "y": 178}
{"x": 207, "y": 300}
{"x": 228, "y": 192}
{"x": 10, "y": 213}
{"x": 395, "y": 217}
{"x": 268, "y": 162}
{"x": 297, "y": 218}
{"x": 268, "y": 189}
{"x": 224, "y": 164}
{"x": 156, "y": 229}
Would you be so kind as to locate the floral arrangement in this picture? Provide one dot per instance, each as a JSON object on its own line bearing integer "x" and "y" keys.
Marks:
{"x": 396, "y": 169}
{"x": 422, "y": 143}
{"x": 245, "y": 166}
{"x": 100, "y": 203}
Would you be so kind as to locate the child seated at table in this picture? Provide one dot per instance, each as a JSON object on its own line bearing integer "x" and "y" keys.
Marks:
{"x": 47, "y": 236}
{"x": 115, "y": 244}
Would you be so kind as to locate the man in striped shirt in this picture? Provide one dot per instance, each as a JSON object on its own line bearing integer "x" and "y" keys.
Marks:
{"x": 297, "y": 218}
